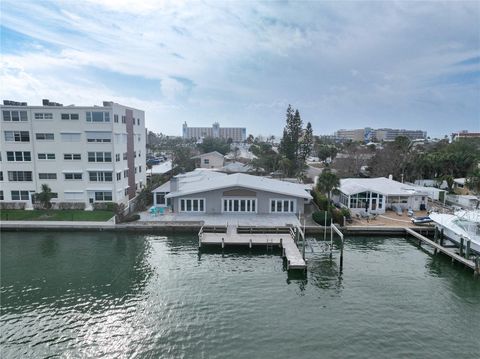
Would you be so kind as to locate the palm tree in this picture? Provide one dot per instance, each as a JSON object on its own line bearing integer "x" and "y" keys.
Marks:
{"x": 45, "y": 196}
{"x": 327, "y": 182}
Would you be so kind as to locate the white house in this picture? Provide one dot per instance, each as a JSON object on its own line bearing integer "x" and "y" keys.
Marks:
{"x": 211, "y": 160}
{"x": 211, "y": 192}
{"x": 84, "y": 153}
{"x": 378, "y": 194}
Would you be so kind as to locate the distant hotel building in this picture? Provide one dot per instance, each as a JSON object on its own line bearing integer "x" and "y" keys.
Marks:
{"x": 464, "y": 134}
{"x": 382, "y": 134}
{"x": 237, "y": 134}
{"x": 85, "y": 154}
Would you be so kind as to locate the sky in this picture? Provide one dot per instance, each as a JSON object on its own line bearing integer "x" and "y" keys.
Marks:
{"x": 413, "y": 65}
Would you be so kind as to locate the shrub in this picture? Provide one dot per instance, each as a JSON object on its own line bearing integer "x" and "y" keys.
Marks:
{"x": 104, "y": 206}
{"x": 12, "y": 205}
{"x": 131, "y": 218}
{"x": 337, "y": 216}
{"x": 71, "y": 205}
{"x": 319, "y": 217}
{"x": 320, "y": 200}
{"x": 345, "y": 212}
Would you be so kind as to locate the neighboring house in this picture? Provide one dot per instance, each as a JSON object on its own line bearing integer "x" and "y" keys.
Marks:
{"x": 212, "y": 192}
{"x": 378, "y": 194}
{"x": 84, "y": 153}
{"x": 465, "y": 201}
{"x": 211, "y": 160}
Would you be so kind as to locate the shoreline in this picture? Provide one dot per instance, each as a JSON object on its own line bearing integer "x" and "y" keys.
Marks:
{"x": 187, "y": 227}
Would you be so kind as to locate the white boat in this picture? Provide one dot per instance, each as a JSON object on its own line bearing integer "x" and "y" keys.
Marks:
{"x": 464, "y": 224}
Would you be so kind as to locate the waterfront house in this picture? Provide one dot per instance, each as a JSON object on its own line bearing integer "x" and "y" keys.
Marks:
{"x": 210, "y": 160}
{"x": 211, "y": 192}
{"x": 379, "y": 194}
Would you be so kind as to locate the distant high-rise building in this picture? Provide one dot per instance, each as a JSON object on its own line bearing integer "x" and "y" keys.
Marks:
{"x": 382, "y": 134}
{"x": 464, "y": 134}
{"x": 237, "y": 134}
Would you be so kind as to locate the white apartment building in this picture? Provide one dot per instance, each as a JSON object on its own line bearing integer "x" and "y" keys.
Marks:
{"x": 85, "y": 154}
{"x": 237, "y": 134}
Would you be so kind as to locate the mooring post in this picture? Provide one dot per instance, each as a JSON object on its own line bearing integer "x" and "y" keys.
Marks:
{"x": 477, "y": 265}
{"x": 281, "y": 243}
{"x": 325, "y": 227}
{"x": 250, "y": 243}
{"x": 461, "y": 246}
{"x": 199, "y": 242}
{"x": 303, "y": 247}
{"x": 435, "y": 236}
{"x": 467, "y": 251}
{"x": 223, "y": 243}
{"x": 441, "y": 237}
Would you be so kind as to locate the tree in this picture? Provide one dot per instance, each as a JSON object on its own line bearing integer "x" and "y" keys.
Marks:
{"x": 327, "y": 182}
{"x": 45, "y": 196}
{"x": 211, "y": 144}
{"x": 473, "y": 180}
{"x": 307, "y": 143}
{"x": 182, "y": 159}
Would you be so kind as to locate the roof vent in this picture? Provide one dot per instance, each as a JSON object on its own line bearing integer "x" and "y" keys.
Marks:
{"x": 46, "y": 102}
{"x": 14, "y": 103}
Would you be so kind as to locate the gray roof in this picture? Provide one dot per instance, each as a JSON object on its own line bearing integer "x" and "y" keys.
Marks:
{"x": 204, "y": 183}
{"x": 215, "y": 153}
{"x": 381, "y": 185}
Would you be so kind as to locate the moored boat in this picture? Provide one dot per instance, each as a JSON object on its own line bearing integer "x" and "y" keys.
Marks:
{"x": 462, "y": 224}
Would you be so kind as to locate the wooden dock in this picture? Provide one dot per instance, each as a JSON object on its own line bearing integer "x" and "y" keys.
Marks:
{"x": 282, "y": 237}
{"x": 472, "y": 264}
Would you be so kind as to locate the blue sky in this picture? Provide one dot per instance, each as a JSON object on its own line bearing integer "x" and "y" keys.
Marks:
{"x": 412, "y": 65}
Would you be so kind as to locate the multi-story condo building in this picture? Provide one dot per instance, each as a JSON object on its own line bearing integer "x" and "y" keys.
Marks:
{"x": 382, "y": 134}
{"x": 85, "y": 154}
{"x": 464, "y": 134}
{"x": 237, "y": 134}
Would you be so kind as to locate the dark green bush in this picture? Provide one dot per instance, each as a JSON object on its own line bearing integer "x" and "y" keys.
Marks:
{"x": 320, "y": 200}
{"x": 319, "y": 217}
{"x": 104, "y": 206}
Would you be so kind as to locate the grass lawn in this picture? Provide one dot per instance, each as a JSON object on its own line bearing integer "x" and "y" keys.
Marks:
{"x": 66, "y": 215}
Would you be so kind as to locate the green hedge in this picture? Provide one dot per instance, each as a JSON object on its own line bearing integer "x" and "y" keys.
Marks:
{"x": 320, "y": 200}
{"x": 319, "y": 217}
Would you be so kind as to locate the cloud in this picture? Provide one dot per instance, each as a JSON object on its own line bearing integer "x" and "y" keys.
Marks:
{"x": 342, "y": 64}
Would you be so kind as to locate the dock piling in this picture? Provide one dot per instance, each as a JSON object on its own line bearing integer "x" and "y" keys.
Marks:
{"x": 250, "y": 244}
{"x": 467, "y": 250}
{"x": 461, "y": 246}
{"x": 223, "y": 243}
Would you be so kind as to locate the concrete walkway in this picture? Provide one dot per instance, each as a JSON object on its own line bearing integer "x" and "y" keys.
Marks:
{"x": 55, "y": 224}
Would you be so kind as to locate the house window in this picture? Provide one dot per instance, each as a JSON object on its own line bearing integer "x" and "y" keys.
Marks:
{"x": 98, "y": 116}
{"x": 192, "y": 205}
{"x": 117, "y": 157}
{"x": 15, "y": 116}
{"x": 115, "y": 118}
{"x": 124, "y": 120}
{"x": 240, "y": 205}
{"x": 206, "y": 161}
{"x": 20, "y": 195}
{"x": 160, "y": 198}
{"x": 1, "y": 175}
{"x": 73, "y": 176}
{"x": 43, "y": 116}
{"x": 125, "y": 173}
{"x": 17, "y": 136}
{"x": 70, "y": 137}
{"x": 99, "y": 156}
{"x": 72, "y": 156}
{"x": 20, "y": 176}
{"x": 1, "y": 196}
{"x": 282, "y": 206}
{"x": 47, "y": 176}
{"x": 45, "y": 136}
{"x": 103, "y": 196}
{"x": 125, "y": 155}
{"x": 119, "y": 176}
{"x": 18, "y": 156}
{"x": 46, "y": 156}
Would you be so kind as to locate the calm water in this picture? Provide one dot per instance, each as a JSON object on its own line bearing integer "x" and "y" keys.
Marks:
{"x": 120, "y": 295}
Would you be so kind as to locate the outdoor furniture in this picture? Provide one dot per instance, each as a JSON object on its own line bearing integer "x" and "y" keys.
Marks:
{"x": 153, "y": 211}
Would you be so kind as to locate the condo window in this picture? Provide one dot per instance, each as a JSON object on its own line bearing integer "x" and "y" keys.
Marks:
{"x": 70, "y": 137}
{"x": 47, "y": 176}
{"x": 45, "y": 136}
{"x": 117, "y": 157}
{"x": 70, "y": 116}
{"x": 100, "y": 176}
{"x": 1, "y": 196}
{"x": 98, "y": 116}
{"x": 15, "y": 116}
{"x": 46, "y": 156}
{"x": 99, "y": 156}
{"x": 99, "y": 137}
{"x": 20, "y": 195}
{"x": 20, "y": 176}
{"x": 282, "y": 206}
{"x": 103, "y": 196}
{"x": 18, "y": 156}
{"x": 43, "y": 116}
{"x": 73, "y": 176}
{"x": 17, "y": 136}
{"x": 72, "y": 156}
